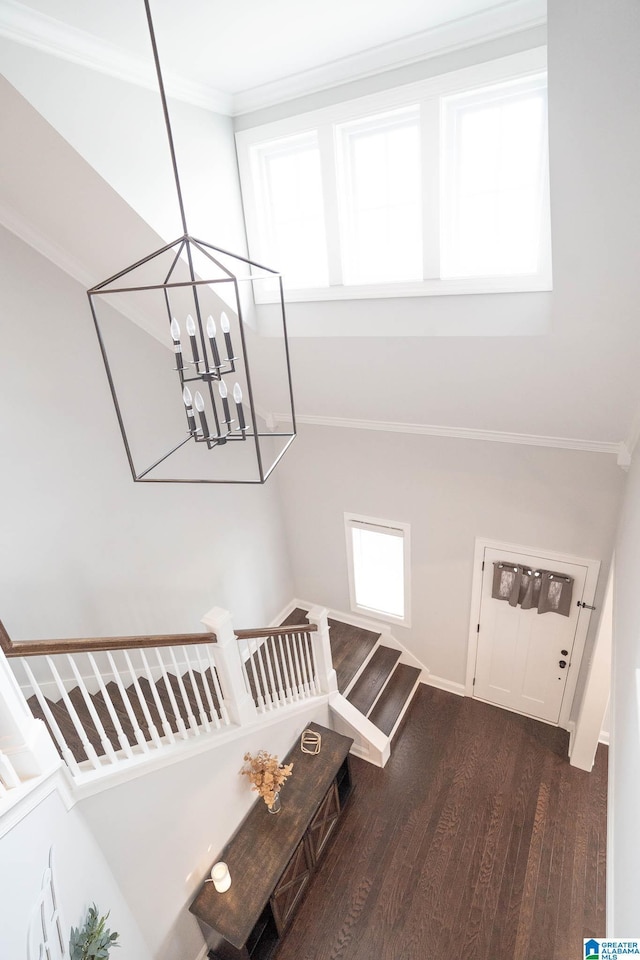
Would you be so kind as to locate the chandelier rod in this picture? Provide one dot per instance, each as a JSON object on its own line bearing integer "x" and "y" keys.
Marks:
{"x": 167, "y": 121}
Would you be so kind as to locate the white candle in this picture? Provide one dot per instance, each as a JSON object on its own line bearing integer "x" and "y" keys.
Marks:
{"x": 221, "y": 876}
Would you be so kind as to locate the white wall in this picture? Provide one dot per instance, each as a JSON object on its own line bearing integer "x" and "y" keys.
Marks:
{"x": 81, "y": 877}
{"x": 450, "y": 492}
{"x": 86, "y": 551}
{"x": 365, "y": 359}
{"x": 623, "y": 853}
{"x": 175, "y": 823}
{"x": 119, "y": 129}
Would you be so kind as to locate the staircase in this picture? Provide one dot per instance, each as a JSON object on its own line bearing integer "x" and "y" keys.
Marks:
{"x": 369, "y": 673}
{"x": 112, "y": 703}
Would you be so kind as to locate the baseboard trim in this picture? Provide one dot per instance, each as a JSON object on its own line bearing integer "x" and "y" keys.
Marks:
{"x": 451, "y": 686}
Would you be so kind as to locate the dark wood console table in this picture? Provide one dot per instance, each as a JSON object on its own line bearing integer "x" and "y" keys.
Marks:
{"x": 272, "y": 857}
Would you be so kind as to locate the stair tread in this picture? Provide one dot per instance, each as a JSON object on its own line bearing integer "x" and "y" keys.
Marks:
{"x": 393, "y": 697}
{"x": 350, "y": 647}
{"x": 373, "y": 678}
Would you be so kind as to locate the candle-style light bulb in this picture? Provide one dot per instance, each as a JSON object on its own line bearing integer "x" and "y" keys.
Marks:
{"x": 224, "y": 323}
{"x": 188, "y": 402}
{"x": 177, "y": 346}
{"x": 199, "y": 402}
{"x": 237, "y": 396}
{"x": 211, "y": 333}
{"x": 191, "y": 330}
{"x": 222, "y": 390}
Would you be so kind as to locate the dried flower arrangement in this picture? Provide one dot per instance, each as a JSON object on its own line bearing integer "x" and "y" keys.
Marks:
{"x": 265, "y": 774}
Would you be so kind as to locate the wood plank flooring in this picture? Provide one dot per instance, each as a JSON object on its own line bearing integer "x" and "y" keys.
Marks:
{"x": 478, "y": 841}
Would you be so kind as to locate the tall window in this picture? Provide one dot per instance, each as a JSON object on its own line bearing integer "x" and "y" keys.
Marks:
{"x": 493, "y": 171}
{"x": 290, "y": 204}
{"x": 378, "y": 560}
{"x": 379, "y": 190}
{"x": 439, "y": 187}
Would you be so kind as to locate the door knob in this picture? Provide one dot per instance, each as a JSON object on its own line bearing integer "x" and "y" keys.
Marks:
{"x": 562, "y": 664}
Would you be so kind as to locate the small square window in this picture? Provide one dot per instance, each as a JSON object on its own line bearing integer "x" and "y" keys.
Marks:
{"x": 378, "y": 560}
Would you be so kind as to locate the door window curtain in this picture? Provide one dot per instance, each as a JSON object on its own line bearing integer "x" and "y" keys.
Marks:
{"x": 543, "y": 590}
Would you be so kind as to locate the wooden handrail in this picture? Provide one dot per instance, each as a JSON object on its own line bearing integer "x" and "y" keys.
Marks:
{"x": 275, "y": 631}
{"x": 37, "y": 648}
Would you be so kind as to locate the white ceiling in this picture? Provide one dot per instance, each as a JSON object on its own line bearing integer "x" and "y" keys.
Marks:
{"x": 233, "y": 47}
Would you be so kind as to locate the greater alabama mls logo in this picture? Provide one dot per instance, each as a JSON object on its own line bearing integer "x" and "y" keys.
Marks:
{"x": 611, "y": 949}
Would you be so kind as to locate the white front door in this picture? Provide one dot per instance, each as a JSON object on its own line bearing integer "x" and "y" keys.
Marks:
{"x": 523, "y": 657}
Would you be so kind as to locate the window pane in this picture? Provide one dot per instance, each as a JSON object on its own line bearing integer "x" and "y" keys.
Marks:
{"x": 494, "y": 165}
{"x": 292, "y": 210}
{"x": 378, "y": 571}
{"x": 380, "y": 198}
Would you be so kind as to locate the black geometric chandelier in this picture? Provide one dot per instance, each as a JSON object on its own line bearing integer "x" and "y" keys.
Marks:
{"x": 186, "y": 366}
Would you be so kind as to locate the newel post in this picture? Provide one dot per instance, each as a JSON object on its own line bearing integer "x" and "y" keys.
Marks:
{"x": 24, "y": 741}
{"x": 238, "y": 700}
{"x": 322, "y": 649}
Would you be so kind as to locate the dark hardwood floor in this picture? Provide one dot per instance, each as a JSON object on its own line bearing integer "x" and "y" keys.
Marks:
{"x": 478, "y": 841}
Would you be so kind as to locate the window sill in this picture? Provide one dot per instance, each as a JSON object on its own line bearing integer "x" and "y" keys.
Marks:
{"x": 379, "y": 615}
{"x": 425, "y": 288}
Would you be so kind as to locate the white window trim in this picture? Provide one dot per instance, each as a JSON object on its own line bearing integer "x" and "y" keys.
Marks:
{"x": 426, "y": 94}
{"x": 404, "y": 528}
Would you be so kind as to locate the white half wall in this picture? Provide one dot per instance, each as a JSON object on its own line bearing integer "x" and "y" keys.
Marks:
{"x": 450, "y": 491}
{"x": 85, "y": 551}
{"x": 173, "y": 823}
{"x": 118, "y": 128}
{"x": 81, "y": 877}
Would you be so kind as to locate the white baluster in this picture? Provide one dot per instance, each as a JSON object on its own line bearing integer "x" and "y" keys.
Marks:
{"x": 73, "y": 714}
{"x": 304, "y": 640}
{"x": 115, "y": 719}
{"x": 315, "y": 680}
{"x": 207, "y": 692}
{"x": 182, "y": 730}
{"x": 296, "y": 658}
{"x": 276, "y": 664}
{"x": 272, "y": 681}
{"x": 183, "y": 693}
{"x": 253, "y": 651}
{"x": 265, "y": 686}
{"x": 133, "y": 720}
{"x": 204, "y": 720}
{"x": 107, "y": 746}
{"x": 224, "y": 713}
{"x": 65, "y": 750}
{"x": 166, "y": 726}
{"x": 292, "y": 673}
{"x": 288, "y": 691}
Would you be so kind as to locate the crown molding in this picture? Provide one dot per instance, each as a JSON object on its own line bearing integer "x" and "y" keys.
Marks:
{"x": 498, "y": 21}
{"x": 466, "y": 433}
{"x": 42, "y": 32}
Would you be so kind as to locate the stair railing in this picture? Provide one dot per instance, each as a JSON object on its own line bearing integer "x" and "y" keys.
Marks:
{"x": 114, "y": 701}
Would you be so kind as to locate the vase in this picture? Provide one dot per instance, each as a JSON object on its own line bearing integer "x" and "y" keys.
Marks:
{"x": 276, "y": 806}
